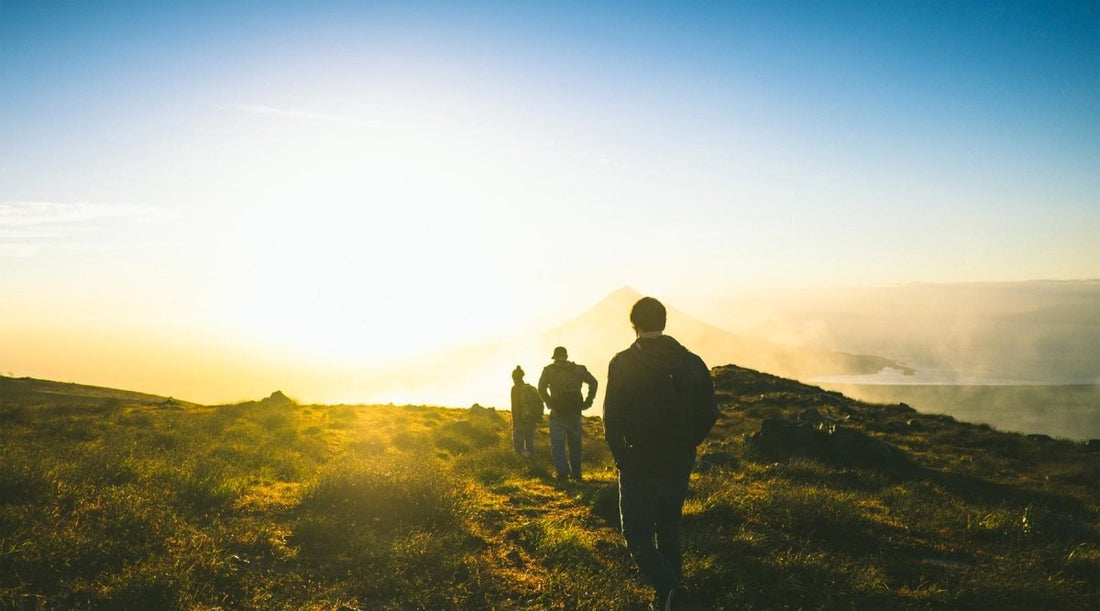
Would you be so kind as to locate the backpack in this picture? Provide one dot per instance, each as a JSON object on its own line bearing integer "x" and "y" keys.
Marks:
{"x": 532, "y": 404}
{"x": 564, "y": 380}
{"x": 677, "y": 411}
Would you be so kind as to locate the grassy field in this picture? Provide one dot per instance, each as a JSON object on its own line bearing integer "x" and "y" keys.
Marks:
{"x": 122, "y": 501}
{"x": 1069, "y": 411}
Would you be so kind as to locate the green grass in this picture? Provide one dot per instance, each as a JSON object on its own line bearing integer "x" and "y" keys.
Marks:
{"x": 120, "y": 501}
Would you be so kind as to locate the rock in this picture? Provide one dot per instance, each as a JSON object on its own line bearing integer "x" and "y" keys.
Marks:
{"x": 278, "y": 398}
{"x": 481, "y": 411}
{"x": 851, "y": 447}
{"x": 779, "y": 437}
{"x": 717, "y": 460}
{"x": 810, "y": 416}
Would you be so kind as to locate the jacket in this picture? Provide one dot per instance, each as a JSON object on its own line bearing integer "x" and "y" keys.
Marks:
{"x": 659, "y": 406}
{"x": 560, "y": 388}
{"x": 526, "y": 406}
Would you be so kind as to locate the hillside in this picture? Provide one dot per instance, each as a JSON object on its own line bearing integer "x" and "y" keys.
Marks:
{"x": 270, "y": 504}
{"x": 29, "y": 391}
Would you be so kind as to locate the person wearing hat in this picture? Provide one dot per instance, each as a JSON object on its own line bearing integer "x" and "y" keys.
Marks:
{"x": 526, "y": 414}
{"x": 560, "y": 387}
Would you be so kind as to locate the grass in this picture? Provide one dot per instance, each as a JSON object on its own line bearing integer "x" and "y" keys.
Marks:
{"x": 122, "y": 501}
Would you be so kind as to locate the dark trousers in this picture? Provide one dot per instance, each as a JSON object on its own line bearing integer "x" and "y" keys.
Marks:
{"x": 523, "y": 439}
{"x": 566, "y": 429}
{"x": 650, "y": 508}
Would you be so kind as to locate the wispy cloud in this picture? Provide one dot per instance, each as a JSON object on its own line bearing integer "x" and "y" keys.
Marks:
{"x": 307, "y": 115}
{"x": 27, "y": 228}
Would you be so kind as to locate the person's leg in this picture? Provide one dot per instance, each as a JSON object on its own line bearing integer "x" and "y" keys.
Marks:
{"x": 668, "y": 510}
{"x": 576, "y": 430}
{"x": 529, "y": 441}
{"x": 517, "y": 439}
{"x": 636, "y": 503}
{"x": 557, "y": 446}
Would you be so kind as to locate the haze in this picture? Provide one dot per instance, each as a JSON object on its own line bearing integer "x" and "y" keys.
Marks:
{"x": 214, "y": 200}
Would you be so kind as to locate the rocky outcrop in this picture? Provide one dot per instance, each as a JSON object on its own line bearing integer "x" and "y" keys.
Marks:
{"x": 780, "y": 438}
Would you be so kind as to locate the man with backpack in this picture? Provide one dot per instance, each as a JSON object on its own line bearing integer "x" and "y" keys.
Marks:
{"x": 526, "y": 414}
{"x": 659, "y": 406}
{"x": 560, "y": 387}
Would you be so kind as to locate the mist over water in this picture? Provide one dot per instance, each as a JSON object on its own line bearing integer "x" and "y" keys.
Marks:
{"x": 1021, "y": 356}
{"x": 1061, "y": 411}
{"x": 939, "y": 376}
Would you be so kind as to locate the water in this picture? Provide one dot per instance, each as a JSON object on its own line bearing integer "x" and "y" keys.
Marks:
{"x": 1070, "y": 411}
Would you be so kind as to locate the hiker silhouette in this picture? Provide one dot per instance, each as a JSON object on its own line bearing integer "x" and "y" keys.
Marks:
{"x": 526, "y": 414}
{"x": 659, "y": 406}
{"x": 560, "y": 387}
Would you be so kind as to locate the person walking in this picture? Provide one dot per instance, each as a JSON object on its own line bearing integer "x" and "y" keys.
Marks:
{"x": 659, "y": 406}
{"x": 526, "y": 414}
{"x": 560, "y": 387}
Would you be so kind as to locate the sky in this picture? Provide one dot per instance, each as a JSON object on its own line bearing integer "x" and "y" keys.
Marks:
{"x": 207, "y": 183}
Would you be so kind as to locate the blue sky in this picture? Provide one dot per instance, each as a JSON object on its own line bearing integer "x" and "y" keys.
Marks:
{"x": 190, "y": 165}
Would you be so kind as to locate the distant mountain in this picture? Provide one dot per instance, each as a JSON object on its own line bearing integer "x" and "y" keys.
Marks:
{"x": 597, "y": 334}
{"x": 481, "y": 373}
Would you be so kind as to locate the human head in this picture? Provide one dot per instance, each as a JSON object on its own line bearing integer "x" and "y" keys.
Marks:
{"x": 560, "y": 353}
{"x": 517, "y": 374}
{"x": 648, "y": 315}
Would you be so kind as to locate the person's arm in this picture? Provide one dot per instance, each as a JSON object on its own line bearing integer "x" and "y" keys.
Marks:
{"x": 536, "y": 401}
{"x": 592, "y": 386}
{"x": 544, "y": 387}
{"x": 613, "y": 415}
{"x": 705, "y": 405}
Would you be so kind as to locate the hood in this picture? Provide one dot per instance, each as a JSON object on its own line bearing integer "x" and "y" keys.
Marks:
{"x": 659, "y": 354}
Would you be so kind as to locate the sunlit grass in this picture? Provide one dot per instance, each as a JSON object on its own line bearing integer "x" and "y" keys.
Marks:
{"x": 111, "y": 504}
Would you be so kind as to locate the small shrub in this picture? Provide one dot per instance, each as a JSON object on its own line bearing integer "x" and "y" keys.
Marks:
{"x": 463, "y": 435}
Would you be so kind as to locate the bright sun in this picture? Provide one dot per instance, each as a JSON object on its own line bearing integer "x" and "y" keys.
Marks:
{"x": 352, "y": 253}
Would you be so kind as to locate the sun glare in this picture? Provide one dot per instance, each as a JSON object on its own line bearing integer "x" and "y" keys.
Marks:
{"x": 351, "y": 254}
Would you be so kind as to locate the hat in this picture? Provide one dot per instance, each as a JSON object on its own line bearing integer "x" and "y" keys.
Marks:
{"x": 560, "y": 353}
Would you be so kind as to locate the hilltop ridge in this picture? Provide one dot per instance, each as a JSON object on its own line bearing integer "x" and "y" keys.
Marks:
{"x": 30, "y": 390}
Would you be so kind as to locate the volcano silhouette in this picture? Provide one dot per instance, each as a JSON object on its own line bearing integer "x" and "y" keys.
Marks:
{"x": 597, "y": 334}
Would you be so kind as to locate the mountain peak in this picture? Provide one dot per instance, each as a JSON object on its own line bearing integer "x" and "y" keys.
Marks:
{"x": 625, "y": 295}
